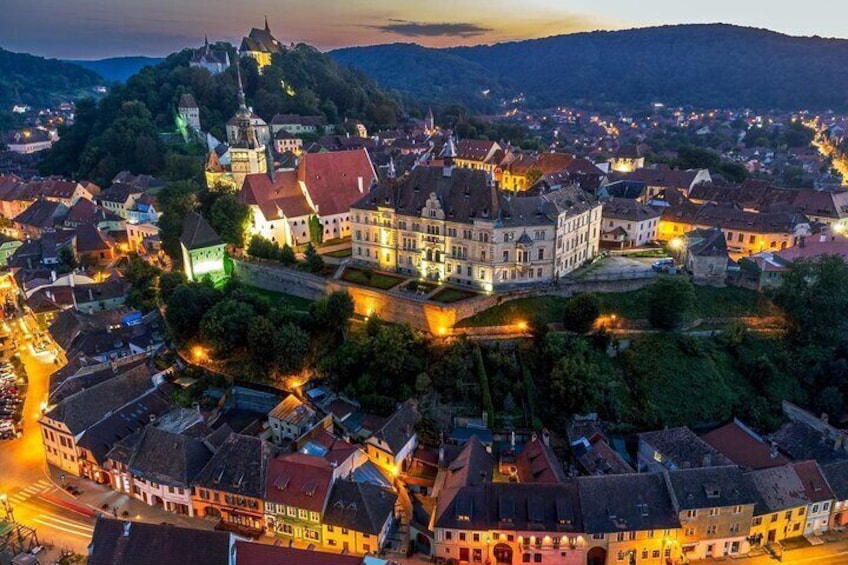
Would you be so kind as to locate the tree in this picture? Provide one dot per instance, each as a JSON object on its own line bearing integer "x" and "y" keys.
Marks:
{"x": 176, "y": 200}
{"x": 488, "y": 405}
{"x": 581, "y": 313}
{"x": 230, "y": 218}
{"x": 261, "y": 341}
{"x": 225, "y": 325}
{"x": 168, "y": 283}
{"x": 262, "y": 248}
{"x": 186, "y": 307}
{"x": 291, "y": 346}
{"x": 287, "y": 256}
{"x": 332, "y": 312}
{"x": 314, "y": 262}
{"x": 316, "y": 229}
{"x": 669, "y": 302}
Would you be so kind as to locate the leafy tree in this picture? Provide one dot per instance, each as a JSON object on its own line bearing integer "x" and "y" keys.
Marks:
{"x": 168, "y": 283}
{"x": 225, "y": 325}
{"x": 291, "y": 346}
{"x": 261, "y": 341}
{"x": 488, "y": 405}
{"x": 142, "y": 276}
{"x": 581, "y": 313}
{"x": 186, "y": 307}
{"x": 263, "y": 248}
{"x": 287, "y": 256}
{"x": 176, "y": 200}
{"x": 316, "y": 229}
{"x": 230, "y": 218}
{"x": 332, "y": 312}
{"x": 669, "y": 302}
{"x": 314, "y": 261}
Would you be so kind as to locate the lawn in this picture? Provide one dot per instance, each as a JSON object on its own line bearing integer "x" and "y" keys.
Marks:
{"x": 339, "y": 254}
{"x": 373, "y": 279}
{"x": 451, "y": 295}
{"x": 709, "y": 303}
{"x": 297, "y": 302}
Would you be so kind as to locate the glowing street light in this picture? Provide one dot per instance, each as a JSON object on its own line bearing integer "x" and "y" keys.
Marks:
{"x": 198, "y": 353}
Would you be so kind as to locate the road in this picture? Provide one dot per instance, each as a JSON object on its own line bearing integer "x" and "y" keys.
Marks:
{"x": 36, "y": 502}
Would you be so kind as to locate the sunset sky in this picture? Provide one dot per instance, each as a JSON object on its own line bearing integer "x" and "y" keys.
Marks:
{"x": 91, "y": 29}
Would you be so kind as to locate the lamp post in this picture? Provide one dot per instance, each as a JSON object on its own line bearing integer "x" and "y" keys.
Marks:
{"x": 7, "y": 507}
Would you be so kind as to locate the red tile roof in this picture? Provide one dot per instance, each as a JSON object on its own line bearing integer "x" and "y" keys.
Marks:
{"x": 743, "y": 447}
{"x": 816, "y": 488}
{"x": 300, "y": 481}
{"x": 538, "y": 464}
{"x": 283, "y": 194}
{"x": 247, "y": 553}
{"x": 336, "y": 180}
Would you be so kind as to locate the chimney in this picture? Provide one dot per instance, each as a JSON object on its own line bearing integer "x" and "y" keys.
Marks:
{"x": 534, "y": 437}
{"x": 360, "y": 184}
{"x": 773, "y": 451}
{"x": 546, "y": 437}
{"x": 441, "y": 455}
{"x": 90, "y": 295}
{"x": 802, "y": 242}
{"x": 127, "y": 526}
{"x": 52, "y": 276}
{"x": 708, "y": 460}
{"x": 113, "y": 364}
{"x": 152, "y": 418}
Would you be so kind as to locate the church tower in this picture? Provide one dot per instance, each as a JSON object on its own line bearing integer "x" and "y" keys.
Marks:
{"x": 247, "y": 153}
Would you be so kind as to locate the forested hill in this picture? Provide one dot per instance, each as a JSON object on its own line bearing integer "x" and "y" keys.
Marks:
{"x": 40, "y": 82}
{"x": 118, "y": 69}
{"x": 701, "y": 65}
{"x": 124, "y": 130}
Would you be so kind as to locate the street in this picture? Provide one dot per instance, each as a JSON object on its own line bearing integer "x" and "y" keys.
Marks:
{"x": 35, "y": 501}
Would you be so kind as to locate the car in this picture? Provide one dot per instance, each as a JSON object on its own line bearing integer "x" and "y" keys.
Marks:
{"x": 663, "y": 265}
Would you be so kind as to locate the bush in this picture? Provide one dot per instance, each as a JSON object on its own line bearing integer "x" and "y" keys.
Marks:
{"x": 581, "y": 313}
{"x": 314, "y": 262}
{"x": 669, "y": 302}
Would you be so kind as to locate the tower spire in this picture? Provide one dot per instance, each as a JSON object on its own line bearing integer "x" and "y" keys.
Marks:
{"x": 206, "y": 41}
{"x": 241, "y": 100}
{"x": 267, "y": 27}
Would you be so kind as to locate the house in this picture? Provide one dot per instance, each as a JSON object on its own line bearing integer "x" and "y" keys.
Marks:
{"x": 628, "y": 223}
{"x": 28, "y": 141}
{"x": 537, "y": 463}
{"x": 120, "y": 199}
{"x": 214, "y": 60}
{"x": 525, "y": 170}
{"x": 8, "y": 246}
{"x": 451, "y": 224}
{"x": 298, "y": 125}
{"x": 285, "y": 142}
{"x": 290, "y": 419}
{"x": 658, "y": 179}
{"x": 629, "y": 518}
{"x": 42, "y": 216}
{"x": 260, "y": 45}
{"x": 390, "y": 446}
{"x": 280, "y": 210}
{"x": 676, "y": 448}
{"x": 836, "y": 475}
{"x": 705, "y": 256}
{"x": 297, "y": 488}
{"x": 203, "y": 250}
{"x": 92, "y": 246}
{"x": 479, "y": 155}
{"x": 138, "y": 543}
{"x": 65, "y": 424}
{"x": 232, "y": 484}
{"x": 787, "y": 502}
{"x": 358, "y": 517}
{"x": 162, "y": 460}
{"x": 348, "y": 461}
{"x": 715, "y": 506}
{"x": 627, "y": 159}
{"x": 86, "y": 212}
{"x": 108, "y": 295}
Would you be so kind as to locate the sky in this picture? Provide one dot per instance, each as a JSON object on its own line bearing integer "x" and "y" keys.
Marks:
{"x": 93, "y": 29}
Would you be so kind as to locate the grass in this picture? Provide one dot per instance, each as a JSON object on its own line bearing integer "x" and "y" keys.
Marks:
{"x": 371, "y": 279}
{"x": 274, "y": 297}
{"x": 709, "y": 303}
{"x": 451, "y": 295}
{"x": 339, "y": 254}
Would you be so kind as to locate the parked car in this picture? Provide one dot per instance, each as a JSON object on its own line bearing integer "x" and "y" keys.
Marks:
{"x": 663, "y": 265}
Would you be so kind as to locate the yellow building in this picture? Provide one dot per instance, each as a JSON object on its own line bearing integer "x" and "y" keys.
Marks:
{"x": 358, "y": 517}
{"x": 523, "y": 171}
{"x": 453, "y": 225}
{"x": 260, "y": 45}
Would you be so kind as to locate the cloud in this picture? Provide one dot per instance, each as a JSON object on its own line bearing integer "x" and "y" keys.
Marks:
{"x": 423, "y": 29}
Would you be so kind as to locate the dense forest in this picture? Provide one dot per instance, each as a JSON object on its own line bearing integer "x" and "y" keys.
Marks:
{"x": 701, "y": 65}
{"x": 124, "y": 131}
{"x": 40, "y": 82}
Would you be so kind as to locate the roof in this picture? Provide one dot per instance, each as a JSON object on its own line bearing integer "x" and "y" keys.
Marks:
{"x": 293, "y": 411}
{"x": 744, "y": 447}
{"x": 789, "y": 486}
{"x": 277, "y": 197}
{"x": 628, "y": 209}
{"x": 667, "y": 178}
{"x": 400, "y": 427}
{"x": 335, "y": 450}
{"x": 683, "y": 448}
{"x": 732, "y": 218}
{"x": 362, "y": 507}
{"x": 836, "y": 475}
{"x": 41, "y": 214}
{"x": 90, "y": 239}
{"x": 187, "y": 100}
{"x": 538, "y": 464}
{"x": 711, "y": 487}
{"x": 119, "y": 192}
{"x": 800, "y": 441}
{"x": 238, "y": 467}
{"x": 137, "y": 543}
{"x": 634, "y": 502}
{"x": 83, "y": 409}
{"x": 707, "y": 243}
{"x": 198, "y": 234}
{"x": 475, "y": 150}
{"x": 247, "y": 553}
{"x": 514, "y": 506}
{"x": 597, "y": 457}
{"x": 336, "y": 180}
{"x": 300, "y": 481}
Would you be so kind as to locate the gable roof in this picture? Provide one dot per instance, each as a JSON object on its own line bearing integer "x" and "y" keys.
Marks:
{"x": 683, "y": 448}
{"x": 198, "y": 234}
{"x": 300, "y": 481}
{"x": 635, "y": 502}
{"x": 707, "y": 243}
{"x": 538, "y": 464}
{"x": 741, "y": 445}
{"x": 400, "y": 427}
{"x": 710, "y": 487}
{"x": 276, "y": 198}
{"x": 336, "y": 180}
{"x": 247, "y": 553}
{"x": 238, "y": 467}
{"x": 362, "y": 507}
{"x": 137, "y": 543}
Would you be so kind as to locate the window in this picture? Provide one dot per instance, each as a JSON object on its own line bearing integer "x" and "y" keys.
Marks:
{"x": 690, "y": 532}
{"x": 737, "y": 510}
{"x": 774, "y": 517}
{"x": 286, "y": 529}
{"x": 477, "y": 555}
{"x": 476, "y": 538}
{"x": 757, "y": 521}
{"x": 537, "y": 557}
{"x": 525, "y": 558}
{"x": 655, "y": 554}
{"x": 331, "y": 542}
{"x": 801, "y": 511}
{"x": 461, "y": 536}
{"x": 691, "y": 513}
{"x": 620, "y": 536}
{"x": 734, "y": 528}
{"x": 815, "y": 508}
{"x": 311, "y": 535}
{"x": 713, "y": 511}
{"x": 644, "y": 554}
{"x": 541, "y": 254}
{"x": 448, "y": 535}
{"x": 711, "y": 530}
{"x": 788, "y": 515}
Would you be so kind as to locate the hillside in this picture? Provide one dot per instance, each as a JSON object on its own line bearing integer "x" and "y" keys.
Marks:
{"x": 118, "y": 69}
{"x": 701, "y": 65}
{"x": 36, "y": 81}
{"x": 125, "y": 130}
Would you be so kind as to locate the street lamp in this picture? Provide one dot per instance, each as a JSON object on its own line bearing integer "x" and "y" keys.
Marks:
{"x": 7, "y": 507}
